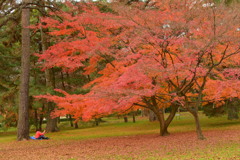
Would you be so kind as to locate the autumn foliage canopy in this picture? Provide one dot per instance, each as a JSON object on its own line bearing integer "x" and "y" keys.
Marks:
{"x": 163, "y": 53}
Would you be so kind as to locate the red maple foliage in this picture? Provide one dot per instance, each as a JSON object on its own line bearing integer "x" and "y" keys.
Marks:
{"x": 168, "y": 54}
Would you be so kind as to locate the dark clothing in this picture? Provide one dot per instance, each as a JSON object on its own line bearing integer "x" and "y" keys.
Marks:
{"x": 42, "y": 137}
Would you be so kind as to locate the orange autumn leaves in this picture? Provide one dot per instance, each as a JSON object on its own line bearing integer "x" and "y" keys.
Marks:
{"x": 167, "y": 53}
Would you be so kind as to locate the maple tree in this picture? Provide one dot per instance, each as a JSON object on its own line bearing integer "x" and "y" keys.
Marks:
{"x": 154, "y": 55}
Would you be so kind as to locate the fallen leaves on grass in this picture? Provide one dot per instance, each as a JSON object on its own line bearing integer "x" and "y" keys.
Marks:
{"x": 218, "y": 145}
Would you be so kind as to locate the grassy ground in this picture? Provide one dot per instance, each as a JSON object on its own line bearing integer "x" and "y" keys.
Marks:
{"x": 115, "y": 139}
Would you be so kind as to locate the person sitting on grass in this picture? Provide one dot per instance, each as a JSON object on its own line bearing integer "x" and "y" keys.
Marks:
{"x": 40, "y": 135}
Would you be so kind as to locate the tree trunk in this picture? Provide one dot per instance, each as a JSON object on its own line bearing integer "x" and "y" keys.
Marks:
{"x": 125, "y": 119}
{"x": 198, "y": 127}
{"x": 23, "y": 111}
{"x": 162, "y": 122}
{"x": 232, "y": 110}
{"x": 58, "y": 120}
{"x": 70, "y": 120}
{"x": 134, "y": 118}
{"x": 52, "y": 125}
{"x": 96, "y": 121}
{"x": 145, "y": 112}
{"x": 163, "y": 128}
{"x": 159, "y": 112}
{"x": 41, "y": 117}
{"x": 75, "y": 125}
{"x": 51, "y": 122}
{"x": 152, "y": 116}
{"x": 172, "y": 114}
{"x": 36, "y": 119}
{"x": 62, "y": 79}
{"x": 50, "y": 83}
{"x": 160, "y": 116}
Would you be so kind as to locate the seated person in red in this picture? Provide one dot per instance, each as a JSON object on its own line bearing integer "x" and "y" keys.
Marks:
{"x": 40, "y": 135}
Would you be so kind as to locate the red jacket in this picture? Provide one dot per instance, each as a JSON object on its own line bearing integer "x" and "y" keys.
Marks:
{"x": 38, "y": 134}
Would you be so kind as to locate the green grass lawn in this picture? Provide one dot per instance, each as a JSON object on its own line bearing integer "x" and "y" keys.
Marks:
{"x": 113, "y": 127}
{"x": 116, "y": 127}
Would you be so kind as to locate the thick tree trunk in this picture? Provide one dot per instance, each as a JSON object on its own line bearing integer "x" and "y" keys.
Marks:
{"x": 165, "y": 123}
{"x": 160, "y": 116}
{"x": 51, "y": 122}
{"x": 163, "y": 128}
{"x": 23, "y": 111}
{"x": 198, "y": 126}
{"x": 52, "y": 125}
{"x": 153, "y": 106}
{"x": 50, "y": 82}
{"x": 159, "y": 112}
{"x": 172, "y": 114}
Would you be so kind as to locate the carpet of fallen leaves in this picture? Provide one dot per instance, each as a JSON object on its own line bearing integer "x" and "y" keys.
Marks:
{"x": 150, "y": 147}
